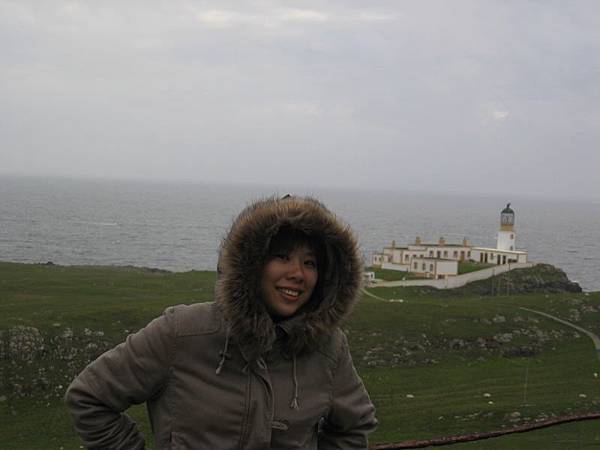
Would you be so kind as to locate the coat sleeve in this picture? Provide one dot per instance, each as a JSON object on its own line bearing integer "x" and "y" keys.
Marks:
{"x": 352, "y": 415}
{"x": 128, "y": 374}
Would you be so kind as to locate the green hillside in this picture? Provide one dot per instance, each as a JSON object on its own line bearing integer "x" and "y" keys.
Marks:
{"x": 435, "y": 362}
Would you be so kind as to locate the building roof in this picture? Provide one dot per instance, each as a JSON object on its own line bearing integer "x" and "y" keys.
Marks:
{"x": 445, "y": 245}
{"x": 437, "y": 260}
{"x": 507, "y": 210}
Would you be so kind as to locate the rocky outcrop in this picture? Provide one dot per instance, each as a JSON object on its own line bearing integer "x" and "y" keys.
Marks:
{"x": 543, "y": 278}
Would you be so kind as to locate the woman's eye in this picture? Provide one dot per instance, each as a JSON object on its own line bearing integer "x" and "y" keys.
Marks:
{"x": 311, "y": 263}
{"x": 281, "y": 256}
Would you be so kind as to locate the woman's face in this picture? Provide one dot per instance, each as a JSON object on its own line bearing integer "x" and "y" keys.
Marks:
{"x": 288, "y": 280}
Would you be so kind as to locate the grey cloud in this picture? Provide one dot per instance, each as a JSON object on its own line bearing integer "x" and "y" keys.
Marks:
{"x": 431, "y": 94}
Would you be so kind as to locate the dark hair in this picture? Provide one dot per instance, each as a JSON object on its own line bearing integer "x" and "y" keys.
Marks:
{"x": 288, "y": 239}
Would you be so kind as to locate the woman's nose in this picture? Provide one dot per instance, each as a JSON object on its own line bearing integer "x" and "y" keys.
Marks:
{"x": 295, "y": 269}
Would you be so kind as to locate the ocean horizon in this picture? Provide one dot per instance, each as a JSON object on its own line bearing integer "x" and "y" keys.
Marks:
{"x": 178, "y": 226}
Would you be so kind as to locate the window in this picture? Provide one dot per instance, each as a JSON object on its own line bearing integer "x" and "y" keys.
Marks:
{"x": 424, "y": 267}
{"x": 406, "y": 257}
{"x": 455, "y": 254}
{"x": 445, "y": 253}
{"x": 512, "y": 236}
{"x": 431, "y": 267}
{"x": 439, "y": 254}
{"x": 431, "y": 253}
{"x": 415, "y": 266}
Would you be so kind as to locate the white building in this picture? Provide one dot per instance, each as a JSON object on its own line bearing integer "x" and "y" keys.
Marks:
{"x": 441, "y": 260}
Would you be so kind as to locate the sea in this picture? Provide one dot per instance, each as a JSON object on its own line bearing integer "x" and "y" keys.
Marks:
{"x": 178, "y": 226}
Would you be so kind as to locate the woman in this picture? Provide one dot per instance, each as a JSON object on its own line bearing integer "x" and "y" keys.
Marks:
{"x": 264, "y": 366}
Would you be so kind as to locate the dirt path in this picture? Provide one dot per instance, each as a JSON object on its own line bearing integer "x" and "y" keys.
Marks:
{"x": 595, "y": 339}
{"x": 364, "y": 291}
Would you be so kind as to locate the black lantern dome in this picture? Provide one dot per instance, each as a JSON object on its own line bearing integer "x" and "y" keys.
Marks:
{"x": 507, "y": 217}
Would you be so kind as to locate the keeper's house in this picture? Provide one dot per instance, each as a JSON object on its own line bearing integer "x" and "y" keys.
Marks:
{"x": 441, "y": 260}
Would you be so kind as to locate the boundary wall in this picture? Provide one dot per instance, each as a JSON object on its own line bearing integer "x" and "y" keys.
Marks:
{"x": 458, "y": 280}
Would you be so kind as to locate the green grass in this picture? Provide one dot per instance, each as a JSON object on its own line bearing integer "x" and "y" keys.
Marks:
{"x": 392, "y": 275}
{"x": 583, "y": 435}
{"x": 419, "y": 355}
{"x": 470, "y": 266}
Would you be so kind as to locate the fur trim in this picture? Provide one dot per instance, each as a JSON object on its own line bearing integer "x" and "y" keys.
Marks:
{"x": 243, "y": 255}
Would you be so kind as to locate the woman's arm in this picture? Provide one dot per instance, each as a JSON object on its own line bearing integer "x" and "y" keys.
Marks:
{"x": 128, "y": 374}
{"x": 352, "y": 415}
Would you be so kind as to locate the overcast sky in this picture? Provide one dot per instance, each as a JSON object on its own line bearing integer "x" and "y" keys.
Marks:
{"x": 451, "y": 96}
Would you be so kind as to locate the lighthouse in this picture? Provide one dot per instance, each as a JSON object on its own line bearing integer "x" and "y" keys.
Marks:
{"x": 506, "y": 234}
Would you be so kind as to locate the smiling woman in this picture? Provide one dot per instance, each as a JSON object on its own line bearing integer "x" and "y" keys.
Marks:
{"x": 268, "y": 357}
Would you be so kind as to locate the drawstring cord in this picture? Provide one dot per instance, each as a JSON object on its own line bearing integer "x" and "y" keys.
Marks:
{"x": 223, "y": 354}
{"x": 294, "y": 404}
{"x": 261, "y": 363}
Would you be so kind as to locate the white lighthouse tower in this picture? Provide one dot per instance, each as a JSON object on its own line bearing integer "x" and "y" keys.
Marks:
{"x": 506, "y": 235}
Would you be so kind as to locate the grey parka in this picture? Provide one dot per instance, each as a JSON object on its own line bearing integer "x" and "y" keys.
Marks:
{"x": 223, "y": 375}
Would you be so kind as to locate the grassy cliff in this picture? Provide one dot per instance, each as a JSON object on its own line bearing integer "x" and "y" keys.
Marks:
{"x": 435, "y": 362}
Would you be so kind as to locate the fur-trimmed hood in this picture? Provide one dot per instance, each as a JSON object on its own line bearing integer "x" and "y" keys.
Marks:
{"x": 244, "y": 253}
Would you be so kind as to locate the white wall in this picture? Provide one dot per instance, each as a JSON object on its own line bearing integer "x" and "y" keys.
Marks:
{"x": 504, "y": 241}
{"x": 447, "y": 267}
{"x": 392, "y": 266}
{"x": 459, "y": 280}
{"x": 397, "y": 256}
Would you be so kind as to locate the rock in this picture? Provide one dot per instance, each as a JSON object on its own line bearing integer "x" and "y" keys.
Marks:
{"x": 416, "y": 347}
{"x": 542, "y": 278}
{"x": 24, "y": 343}
{"x": 522, "y": 351}
{"x": 504, "y": 337}
{"x": 91, "y": 347}
{"x": 457, "y": 344}
{"x": 574, "y": 315}
{"x": 67, "y": 333}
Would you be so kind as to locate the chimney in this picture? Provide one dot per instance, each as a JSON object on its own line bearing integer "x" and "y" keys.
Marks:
{"x": 418, "y": 240}
{"x": 442, "y": 241}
